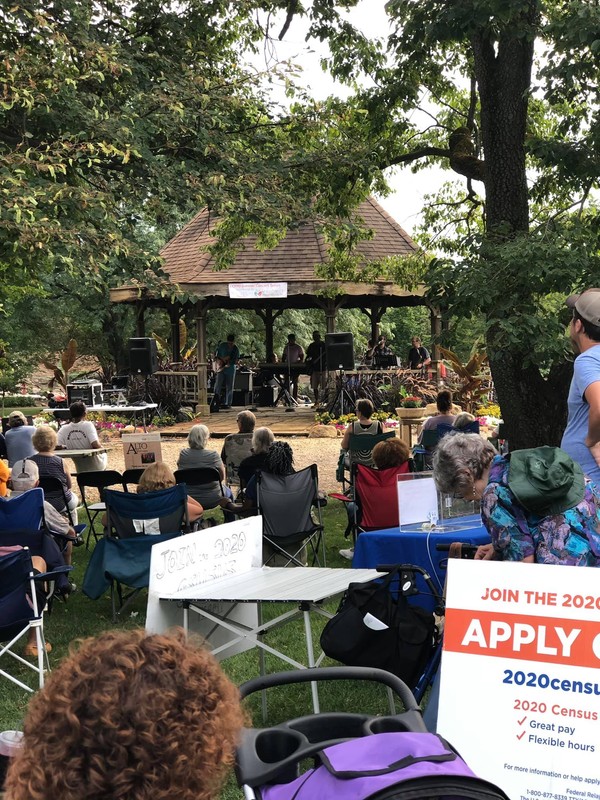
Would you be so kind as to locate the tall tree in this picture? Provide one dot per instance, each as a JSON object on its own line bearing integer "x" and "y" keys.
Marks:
{"x": 505, "y": 94}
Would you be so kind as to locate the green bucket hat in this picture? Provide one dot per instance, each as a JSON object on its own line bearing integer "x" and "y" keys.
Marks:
{"x": 545, "y": 480}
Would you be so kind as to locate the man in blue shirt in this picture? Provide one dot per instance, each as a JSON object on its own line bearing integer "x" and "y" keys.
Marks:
{"x": 581, "y": 439}
{"x": 226, "y": 357}
{"x": 18, "y": 438}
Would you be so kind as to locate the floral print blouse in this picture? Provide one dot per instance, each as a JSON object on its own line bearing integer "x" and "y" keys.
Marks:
{"x": 571, "y": 538}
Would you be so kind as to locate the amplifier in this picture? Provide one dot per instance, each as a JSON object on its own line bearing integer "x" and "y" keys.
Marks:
{"x": 265, "y": 395}
{"x": 88, "y": 391}
{"x": 242, "y": 398}
{"x": 243, "y": 381}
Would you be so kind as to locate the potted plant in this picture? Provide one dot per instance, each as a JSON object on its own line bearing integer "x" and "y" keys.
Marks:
{"x": 411, "y": 407}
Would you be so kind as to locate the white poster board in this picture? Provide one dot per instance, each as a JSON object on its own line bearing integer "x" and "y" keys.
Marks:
{"x": 181, "y": 564}
{"x": 141, "y": 449}
{"x": 520, "y": 681}
{"x": 417, "y": 500}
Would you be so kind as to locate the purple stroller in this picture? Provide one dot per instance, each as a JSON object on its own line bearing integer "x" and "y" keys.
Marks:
{"x": 355, "y": 756}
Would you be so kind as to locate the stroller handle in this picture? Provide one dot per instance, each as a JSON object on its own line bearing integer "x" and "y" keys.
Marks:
{"x": 332, "y": 674}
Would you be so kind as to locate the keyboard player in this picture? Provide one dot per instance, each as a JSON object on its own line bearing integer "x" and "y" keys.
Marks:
{"x": 293, "y": 354}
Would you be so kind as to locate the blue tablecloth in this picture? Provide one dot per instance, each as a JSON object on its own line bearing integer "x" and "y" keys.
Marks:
{"x": 413, "y": 546}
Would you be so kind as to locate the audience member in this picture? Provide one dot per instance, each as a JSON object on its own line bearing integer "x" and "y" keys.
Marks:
{"x": 363, "y": 425}
{"x": 129, "y": 716}
{"x": 18, "y": 438}
{"x": 238, "y": 446}
{"x": 159, "y": 476}
{"x": 463, "y": 420}
{"x": 24, "y": 477}
{"x": 262, "y": 439}
{"x": 536, "y": 504}
{"x": 197, "y": 455}
{"x": 279, "y": 461}
{"x": 51, "y": 466}
{"x": 4, "y": 477}
{"x": 443, "y": 417}
{"x": 390, "y": 453}
{"x": 81, "y": 434}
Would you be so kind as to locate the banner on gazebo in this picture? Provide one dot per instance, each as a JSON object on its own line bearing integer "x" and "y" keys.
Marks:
{"x": 244, "y": 291}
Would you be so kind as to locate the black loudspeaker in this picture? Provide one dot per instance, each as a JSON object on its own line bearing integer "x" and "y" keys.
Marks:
{"x": 143, "y": 356}
{"x": 265, "y": 395}
{"x": 243, "y": 381}
{"x": 339, "y": 351}
{"x": 242, "y": 398}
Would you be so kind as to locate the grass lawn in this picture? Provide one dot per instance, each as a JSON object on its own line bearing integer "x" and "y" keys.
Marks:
{"x": 82, "y": 617}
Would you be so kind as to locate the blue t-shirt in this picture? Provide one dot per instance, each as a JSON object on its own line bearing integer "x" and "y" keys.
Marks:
{"x": 18, "y": 443}
{"x": 223, "y": 351}
{"x": 585, "y": 372}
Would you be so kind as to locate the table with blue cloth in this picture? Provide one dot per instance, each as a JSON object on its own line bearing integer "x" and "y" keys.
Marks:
{"x": 415, "y": 546}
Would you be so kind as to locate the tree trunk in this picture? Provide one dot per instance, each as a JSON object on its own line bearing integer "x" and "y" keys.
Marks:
{"x": 533, "y": 407}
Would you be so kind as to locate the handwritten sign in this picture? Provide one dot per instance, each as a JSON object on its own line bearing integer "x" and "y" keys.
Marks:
{"x": 180, "y": 565}
{"x": 522, "y": 661}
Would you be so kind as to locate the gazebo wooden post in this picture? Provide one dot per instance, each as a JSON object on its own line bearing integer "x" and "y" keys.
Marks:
{"x": 174, "y": 316}
{"x": 140, "y": 322}
{"x": 435, "y": 317}
{"x": 202, "y": 406}
{"x": 268, "y": 316}
{"x": 374, "y": 314}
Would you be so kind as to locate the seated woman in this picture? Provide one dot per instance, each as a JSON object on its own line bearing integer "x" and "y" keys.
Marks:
{"x": 262, "y": 439}
{"x": 463, "y": 420}
{"x": 129, "y": 715}
{"x": 197, "y": 455}
{"x": 444, "y": 416}
{"x": 159, "y": 476}
{"x": 363, "y": 425}
{"x": 536, "y": 504}
{"x": 279, "y": 461}
{"x": 50, "y": 466}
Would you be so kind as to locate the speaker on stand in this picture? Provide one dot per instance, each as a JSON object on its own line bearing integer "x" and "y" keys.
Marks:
{"x": 339, "y": 355}
{"x": 143, "y": 359}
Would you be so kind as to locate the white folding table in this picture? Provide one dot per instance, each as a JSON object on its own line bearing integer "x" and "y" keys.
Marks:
{"x": 309, "y": 587}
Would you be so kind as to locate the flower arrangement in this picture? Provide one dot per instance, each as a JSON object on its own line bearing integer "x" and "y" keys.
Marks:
{"x": 412, "y": 401}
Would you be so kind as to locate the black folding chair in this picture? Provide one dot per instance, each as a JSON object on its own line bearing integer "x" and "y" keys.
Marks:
{"x": 132, "y": 476}
{"x": 96, "y": 479}
{"x": 198, "y": 477}
{"x": 286, "y": 505}
{"x": 54, "y": 486}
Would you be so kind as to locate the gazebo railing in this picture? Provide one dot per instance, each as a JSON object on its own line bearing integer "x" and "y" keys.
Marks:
{"x": 185, "y": 382}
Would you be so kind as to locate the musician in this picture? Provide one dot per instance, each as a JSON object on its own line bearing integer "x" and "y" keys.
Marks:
{"x": 317, "y": 364}
{"x": 418, "y": 356}
{"x": 293, "y": 354}
{"x": 226, "y": 357}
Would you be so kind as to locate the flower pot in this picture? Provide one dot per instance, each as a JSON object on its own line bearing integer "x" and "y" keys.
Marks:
{"x": 409, "y": 413}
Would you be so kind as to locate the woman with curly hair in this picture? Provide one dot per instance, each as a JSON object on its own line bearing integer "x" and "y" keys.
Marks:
{"x": 159, "y": 476}
{"x": 129, "y": 716}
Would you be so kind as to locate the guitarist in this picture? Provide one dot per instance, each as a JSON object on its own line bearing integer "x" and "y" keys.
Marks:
{"x": 226, "y": 357}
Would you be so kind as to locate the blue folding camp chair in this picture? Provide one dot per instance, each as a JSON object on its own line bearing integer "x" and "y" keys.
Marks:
{"x": 25, "y": 512}
{"x": 134, "y": 524}
{"x": 22, "y": 602}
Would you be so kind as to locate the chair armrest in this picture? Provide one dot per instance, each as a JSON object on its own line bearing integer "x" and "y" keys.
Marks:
{"x": 339, "y": 496}
{"x": 44, "y": 576}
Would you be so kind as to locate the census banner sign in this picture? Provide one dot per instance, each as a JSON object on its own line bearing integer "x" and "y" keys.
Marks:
{"x": 520, "y": 680}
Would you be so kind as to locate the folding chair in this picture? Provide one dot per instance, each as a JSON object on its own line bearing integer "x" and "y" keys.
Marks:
{"x": 134, "y": 523}
{"x": 360, "y": 451}
{"x": 52, "y": 485}
{"x": 237, "y": 447}
{"x": 286, "y": 506}
{"x": 96, "y": 479}
{"x": 26, "y": 512}
{"x": 198, "y": 477}
{"x": 423, "y": 452}
{"x": 22, "y": 603}
{"x": 470, "y": 427}
{"x": 132, "y": 476}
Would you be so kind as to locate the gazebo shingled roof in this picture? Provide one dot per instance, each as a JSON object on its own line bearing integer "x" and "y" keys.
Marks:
{"x": 292, "y": 261}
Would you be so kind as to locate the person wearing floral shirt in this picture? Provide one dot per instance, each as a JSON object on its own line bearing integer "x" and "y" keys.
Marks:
{"x": 536, "y": 504}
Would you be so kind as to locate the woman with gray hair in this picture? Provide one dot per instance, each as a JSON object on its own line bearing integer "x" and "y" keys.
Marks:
{"x": 198, "y": 456}
{"x": 262, "y": 439}
{"x": 536, "y": 504}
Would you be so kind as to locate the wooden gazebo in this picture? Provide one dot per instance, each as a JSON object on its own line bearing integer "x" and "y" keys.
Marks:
{"x": 268, "y": 282}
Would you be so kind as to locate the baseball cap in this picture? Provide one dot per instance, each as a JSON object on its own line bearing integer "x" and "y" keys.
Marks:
{"x": 24, "y": 475}
{"x": 17, "y": 415}
{"x": 587, "y": 305}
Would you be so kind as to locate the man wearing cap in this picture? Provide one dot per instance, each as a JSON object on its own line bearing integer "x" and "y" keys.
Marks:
{"x": 581, "y": 439}
{"x": 24, "y": 477}
{"x": 18, "y": 438}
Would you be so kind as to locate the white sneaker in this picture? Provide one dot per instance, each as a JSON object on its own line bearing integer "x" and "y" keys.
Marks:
{"x": 348, "y": 553}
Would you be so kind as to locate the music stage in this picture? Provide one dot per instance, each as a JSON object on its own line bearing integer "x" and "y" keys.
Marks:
{"x": 282, "y": 423}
